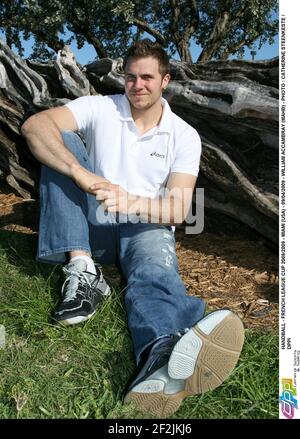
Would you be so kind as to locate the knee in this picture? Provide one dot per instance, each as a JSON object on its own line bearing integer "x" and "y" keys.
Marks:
{"x": 154, "y": 268}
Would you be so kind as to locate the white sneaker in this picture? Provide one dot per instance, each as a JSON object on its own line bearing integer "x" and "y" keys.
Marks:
{"x": 201, "y": 360}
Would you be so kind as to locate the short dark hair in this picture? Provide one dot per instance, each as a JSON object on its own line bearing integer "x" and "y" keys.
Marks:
{"x": 145, "y": 48}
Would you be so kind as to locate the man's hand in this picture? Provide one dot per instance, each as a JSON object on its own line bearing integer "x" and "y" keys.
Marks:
{"x": 115, "y": 198}
{"x": 170, "y": 209}
{"x": 85, "y": 179}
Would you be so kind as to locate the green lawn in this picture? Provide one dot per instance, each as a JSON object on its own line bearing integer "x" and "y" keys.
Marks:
{"x": 81, "y": 371}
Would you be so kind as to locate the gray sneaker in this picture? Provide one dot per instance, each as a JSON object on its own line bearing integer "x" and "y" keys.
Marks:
{"x": 82, "y": 293}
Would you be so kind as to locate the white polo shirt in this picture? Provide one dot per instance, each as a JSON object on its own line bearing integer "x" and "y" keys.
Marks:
{"x": 141, "y": 164}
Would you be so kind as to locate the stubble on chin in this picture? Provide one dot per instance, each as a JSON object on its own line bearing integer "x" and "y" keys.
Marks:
{"x": 140, "y": 105}
{"x": 146, "y": 105}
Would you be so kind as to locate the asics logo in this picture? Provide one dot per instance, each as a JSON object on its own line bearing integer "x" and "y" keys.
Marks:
{"x": 161, "y": 156}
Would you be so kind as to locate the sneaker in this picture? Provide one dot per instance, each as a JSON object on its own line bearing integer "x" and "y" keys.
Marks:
{"x": 200, "y": 360}
{"x": 82, "y": 293}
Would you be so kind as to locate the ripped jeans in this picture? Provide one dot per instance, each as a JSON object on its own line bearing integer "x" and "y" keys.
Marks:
{"x": 155, "y": 296}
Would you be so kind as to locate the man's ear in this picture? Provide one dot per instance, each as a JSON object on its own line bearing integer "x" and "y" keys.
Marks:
{"x": 166, "y": 80}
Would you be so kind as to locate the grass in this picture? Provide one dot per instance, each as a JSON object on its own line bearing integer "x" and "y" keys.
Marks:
{"x": 81, "y": 372}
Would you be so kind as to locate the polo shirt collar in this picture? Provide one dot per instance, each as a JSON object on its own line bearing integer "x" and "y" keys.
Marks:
{"x": 165, "y": 123}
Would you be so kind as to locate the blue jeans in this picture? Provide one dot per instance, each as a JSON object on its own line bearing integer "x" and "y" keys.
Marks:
{"x": 156, "y": 300}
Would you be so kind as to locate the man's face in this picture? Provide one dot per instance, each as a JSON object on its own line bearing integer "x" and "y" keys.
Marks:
{"x": 143, "y": 82}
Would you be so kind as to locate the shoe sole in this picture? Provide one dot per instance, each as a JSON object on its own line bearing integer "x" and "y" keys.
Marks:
{"x": 80, "y": 319}
{"x": 202, "y": 359}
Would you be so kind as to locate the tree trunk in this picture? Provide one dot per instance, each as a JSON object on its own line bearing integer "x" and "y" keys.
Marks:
{"x": 184, "y": 51}
{"x": 233, "y": 105}
{"x": 215, "y": 38}
{"x": 183, "y": 36}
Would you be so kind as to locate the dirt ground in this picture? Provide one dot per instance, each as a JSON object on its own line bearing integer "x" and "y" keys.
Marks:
{"x": 227, "y": 271}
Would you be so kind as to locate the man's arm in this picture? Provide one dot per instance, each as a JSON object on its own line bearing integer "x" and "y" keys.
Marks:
{"x": 172, "y": 208}
{"x": 43, "y": 134}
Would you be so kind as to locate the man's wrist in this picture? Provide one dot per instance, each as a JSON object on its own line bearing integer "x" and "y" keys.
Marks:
{"x": 74, "y": 169}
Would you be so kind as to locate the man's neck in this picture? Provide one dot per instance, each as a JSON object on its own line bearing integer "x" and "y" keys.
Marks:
{"x": 145, "y": 120}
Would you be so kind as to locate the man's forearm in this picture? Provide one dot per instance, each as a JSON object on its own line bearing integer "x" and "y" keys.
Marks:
{"x": 45, "y": 142}
{"x": 162, "y": 210}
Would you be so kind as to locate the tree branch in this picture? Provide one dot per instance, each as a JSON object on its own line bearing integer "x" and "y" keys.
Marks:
{"x": 232, "y": 49}
{"x": 194, "y": 21}
{"x": 100, "y": 49}
{"x": 143, "y": 25}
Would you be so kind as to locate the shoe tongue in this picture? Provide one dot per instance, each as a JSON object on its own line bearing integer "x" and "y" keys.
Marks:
{"x": 78, "y": 265}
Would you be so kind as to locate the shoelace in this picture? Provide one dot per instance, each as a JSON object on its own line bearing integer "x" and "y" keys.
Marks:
{"x": 74, "y": 278}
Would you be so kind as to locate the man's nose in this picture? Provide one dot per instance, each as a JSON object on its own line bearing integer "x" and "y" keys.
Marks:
{"x": 138, "y": 83}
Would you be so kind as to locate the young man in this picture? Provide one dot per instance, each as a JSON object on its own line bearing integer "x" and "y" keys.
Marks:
{"x": 141, "y": 162}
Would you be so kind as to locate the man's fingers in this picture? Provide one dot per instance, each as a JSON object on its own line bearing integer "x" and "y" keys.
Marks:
{"x": 98, "y": 186}
{"x": 112, "y": 209}
{"x": 104, "y": 195}
{"x": 103, "y": 186}
{"x": 110, "y": 202}
{"x": 112, "y": 196}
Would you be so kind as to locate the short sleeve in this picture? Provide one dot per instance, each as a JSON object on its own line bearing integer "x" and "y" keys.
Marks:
{"x": 82, "y": 110}
{"x": 188, "y": 152}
